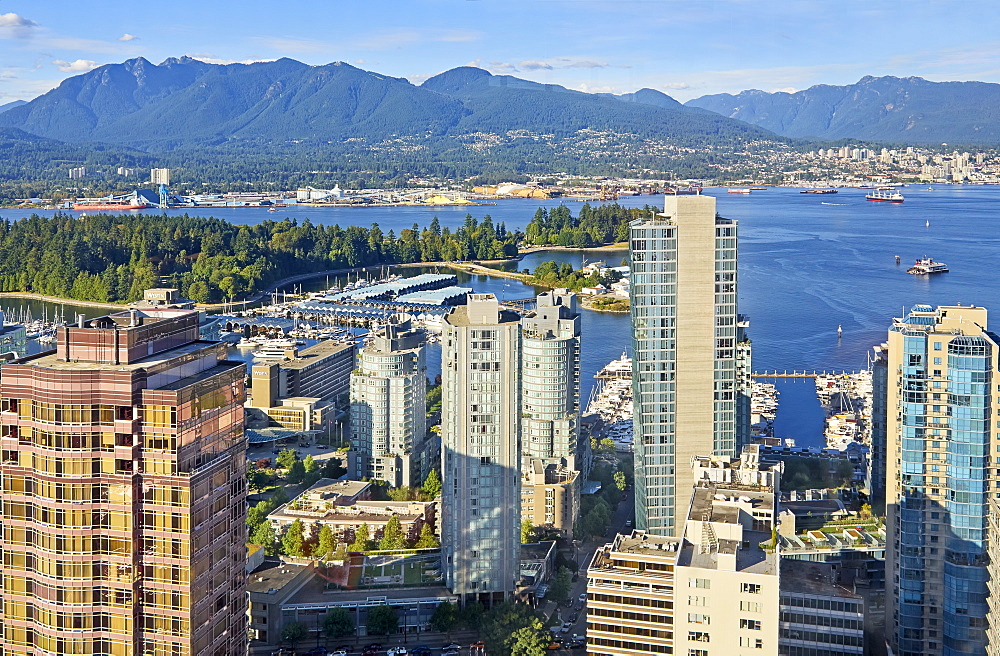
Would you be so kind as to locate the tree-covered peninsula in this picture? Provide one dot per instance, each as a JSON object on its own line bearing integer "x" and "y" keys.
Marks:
{"x": 113, "y": 258}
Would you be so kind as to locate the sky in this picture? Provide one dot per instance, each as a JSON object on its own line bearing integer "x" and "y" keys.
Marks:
{"x": 686, "y": 48}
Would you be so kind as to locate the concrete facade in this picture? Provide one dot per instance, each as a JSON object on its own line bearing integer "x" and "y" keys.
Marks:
{"x": 389, "y": 406}
{"x": 480, "y": 449}
{"x": 712, "y": 590}
{"x": 690, "y": 357}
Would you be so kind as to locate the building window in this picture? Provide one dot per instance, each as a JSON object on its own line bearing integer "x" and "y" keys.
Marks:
{"x": 698, "y": 636}
{"x": 753, "y": 625}
{"x": 698, "y": 618}
{"x": 750, "y": 606}
{"x": 750, "y": 588}
{"x": 699, "y": 583}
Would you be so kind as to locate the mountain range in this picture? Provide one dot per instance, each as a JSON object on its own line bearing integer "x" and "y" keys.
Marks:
{"x": 184, "y": 102}
{"x": 287, "y": 123}
{"x": 908, "y": 110}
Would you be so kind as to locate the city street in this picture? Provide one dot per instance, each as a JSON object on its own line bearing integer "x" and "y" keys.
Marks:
{"x": 585, "y": 553}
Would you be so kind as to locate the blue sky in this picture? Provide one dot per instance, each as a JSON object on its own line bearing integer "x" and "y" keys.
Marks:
{"x": 684, "y": 48}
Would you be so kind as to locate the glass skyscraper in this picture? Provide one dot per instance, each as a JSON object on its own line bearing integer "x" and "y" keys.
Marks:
{"x": 941, "y": 433}
{"x": 690, "y": 365}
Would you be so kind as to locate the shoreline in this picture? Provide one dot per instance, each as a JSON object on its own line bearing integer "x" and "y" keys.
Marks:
{"x": 475, "y": 268}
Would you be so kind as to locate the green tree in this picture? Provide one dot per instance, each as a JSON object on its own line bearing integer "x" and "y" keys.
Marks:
{"x": 294, "y": 632}
{"x": 286, "y": 458}
{"x": 561, "y": 586}
{"x": 427, "y": 539}
{"x": 265, "y": 537}
{"x": 432, "y": 485}
{"x": 362, "y": 540}
{"x": 326, "y": 542}
{"x": 296, "y": 473}
{"x": 338, "y": 623}
{"x": 382, "y": 620}
{"x": 256, "y": 479}
{"x": 310, "y": 464}
{"x": 620, "y": 480}
{"x": 501, "y": 628}
{"x": 402, "y": 493}
{"x": 527, "y": 528}
{"x": 531, "y": 640}
{"x": 445, "y": 618}
{"x": 293, "y": 542}
{"x": 392, "y": 535}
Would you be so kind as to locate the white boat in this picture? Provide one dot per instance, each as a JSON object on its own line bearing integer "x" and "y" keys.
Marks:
{"x": 926, "y": 266}
{"x": 885, "y": 196}
{"x": 274, "y": 349}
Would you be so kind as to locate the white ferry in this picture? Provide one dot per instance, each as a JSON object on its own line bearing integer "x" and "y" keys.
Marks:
{"x": 926, "y": 266}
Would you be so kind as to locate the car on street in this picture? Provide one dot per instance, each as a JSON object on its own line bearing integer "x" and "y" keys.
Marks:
{"x": 339, "y": 652}
{"x": 451, "y": 647}
{"x": 555, "y": 645}
{"x": 583, "y": 598}
{"x": 575, "y": 644}
{"x": 566, "y": 626}
{"x": 573, "y": 618}
{"x": 317, "y": 651}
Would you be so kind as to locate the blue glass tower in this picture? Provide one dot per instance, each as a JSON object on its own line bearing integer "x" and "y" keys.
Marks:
{"x": 941, "y": 431}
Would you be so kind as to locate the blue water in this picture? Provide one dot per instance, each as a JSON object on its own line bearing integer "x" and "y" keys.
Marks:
{"x": 808, "y": 263}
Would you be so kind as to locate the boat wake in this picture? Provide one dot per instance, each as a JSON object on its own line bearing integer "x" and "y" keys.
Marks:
{"x": 833, "y": 203}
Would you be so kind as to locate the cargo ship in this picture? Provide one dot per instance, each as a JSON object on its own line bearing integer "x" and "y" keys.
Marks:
{"x": 110, "y": 206}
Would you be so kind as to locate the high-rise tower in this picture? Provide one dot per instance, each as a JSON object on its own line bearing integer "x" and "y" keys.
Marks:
{"x": 553, "y": 459}
{"x": 480, "y": 448}
{"x": 550, "y": 387}
{"x": 689, "y": 354}
{"x": 941, "y": 435}
{"x": 389, "y": 405}
{"x": 124, "y": 492}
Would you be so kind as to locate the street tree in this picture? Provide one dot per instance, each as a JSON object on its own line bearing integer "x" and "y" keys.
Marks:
{"x": 382, "y": 620}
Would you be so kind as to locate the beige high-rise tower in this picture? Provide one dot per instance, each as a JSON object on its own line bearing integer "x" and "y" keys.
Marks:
{"x": 688, "y": 372}
{"x": 480, "y": 449}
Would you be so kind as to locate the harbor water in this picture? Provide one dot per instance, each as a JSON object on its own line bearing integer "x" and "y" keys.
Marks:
{"x": 808, "y": 263}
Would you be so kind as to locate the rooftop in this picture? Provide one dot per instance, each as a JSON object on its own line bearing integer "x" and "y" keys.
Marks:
{"x": 316, "y": 352}
{"x": 152, "y": 363}
{"x": 272, "y": 575}
{"x": 482, "y": 310}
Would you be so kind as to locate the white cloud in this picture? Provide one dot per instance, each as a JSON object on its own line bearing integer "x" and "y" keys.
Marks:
{"x": 783, "y": 90}
{"x": 536, "y": 65}
{"x": 127, "y": 37}
{"x": 676, "y": 85}
{"x": 15, "y": 20}
{"x": 15, "y": 25}
{"x": 78, "y": 66}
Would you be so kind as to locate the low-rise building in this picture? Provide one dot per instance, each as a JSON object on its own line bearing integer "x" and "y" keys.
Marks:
{"x": 344, "y": 506}
{"x": 280, "y": 593}
{"x": 301, "y": 391}
{"x": 550, "y": 496}
{"x": 713, "y": 590}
